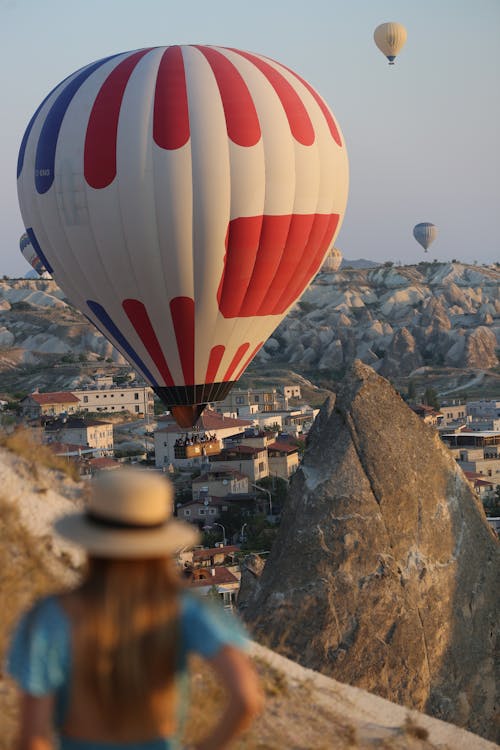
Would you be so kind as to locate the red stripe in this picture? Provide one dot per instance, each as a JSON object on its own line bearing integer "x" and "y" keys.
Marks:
{"x": 321, "y": 104}
{"x": 182, "y": 311}
{"x": 100, "y": 140}
{"x": 298, "y": 236}
{"x": 248, "y": 360}
{"x": 138, "y": 316}
{"x": 216, "y": 354}
{"x": 242, "y": 123}
{"x": 235, "y": 361}
{"x": 273, "y": 241}
{"x": 243, "y": 239}
{"x": 319, "y": 241}
{"x": 295, "y": 110}
{"x": 171, "y": 113}
{"x": 270, "y": 259}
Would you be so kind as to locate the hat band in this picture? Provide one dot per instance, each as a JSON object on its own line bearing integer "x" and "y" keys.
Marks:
{"x": 111, "y": 523}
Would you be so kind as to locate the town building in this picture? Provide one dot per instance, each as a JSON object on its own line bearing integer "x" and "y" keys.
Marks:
{"x": 244, "y": 402}
{"x": 454, "y": 413}
{"x": 484, "y": 409}
{"x": 53, "y": 404}
{"x": 220, "y": 484}
{"x": 191, "y": 447}
{"x": 292, "y": 391}
{"x": 247, "y": 460}
{"x": 427, "y": 413}
{"x": 476, "y": 452}
{"x": 283, "y": 459}
{"x": 90, "y": 433}
{"x": 103, "y": 395}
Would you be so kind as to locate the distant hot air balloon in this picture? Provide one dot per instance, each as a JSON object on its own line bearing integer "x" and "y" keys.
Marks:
{"x": 184, "y": 197}
{"x": 333, "y": 261}
{"x": 390, "y": 39}
{"x": 29, "y": 254}
{"x": 425, "y": 234}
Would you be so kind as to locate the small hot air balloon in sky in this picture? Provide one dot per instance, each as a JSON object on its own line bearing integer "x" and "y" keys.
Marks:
{"x": 332, "y": 261}
{"x": 29, "y": 254}
{"x": 390, "y": 38}
{"x": 183, "y": 198}
{"x": 425, "y": 234}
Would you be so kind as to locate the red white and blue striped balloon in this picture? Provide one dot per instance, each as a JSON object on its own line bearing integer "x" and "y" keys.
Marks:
{"x": 183, "y": 198}
{"x": 29, "y": 254}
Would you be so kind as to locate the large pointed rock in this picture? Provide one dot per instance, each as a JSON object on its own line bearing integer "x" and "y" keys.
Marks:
{"x": 385, "y": 572}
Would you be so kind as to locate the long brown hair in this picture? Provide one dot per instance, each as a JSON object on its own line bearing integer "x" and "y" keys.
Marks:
{"x": 126, "y": 634}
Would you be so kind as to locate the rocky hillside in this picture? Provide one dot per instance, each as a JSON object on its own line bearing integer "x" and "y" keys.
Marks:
{"x": 400, "y": 320}
{"x": 384, "y": 571}
{"x": 395, "y": 318}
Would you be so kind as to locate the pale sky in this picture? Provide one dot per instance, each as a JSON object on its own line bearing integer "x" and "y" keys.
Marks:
{"x": 422, "y": 136}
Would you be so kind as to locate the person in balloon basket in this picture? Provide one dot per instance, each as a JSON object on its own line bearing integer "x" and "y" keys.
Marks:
{"x": 103, "y": 666}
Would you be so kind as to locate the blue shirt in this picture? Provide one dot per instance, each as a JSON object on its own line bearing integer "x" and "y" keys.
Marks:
{"x": 39, "y": 657}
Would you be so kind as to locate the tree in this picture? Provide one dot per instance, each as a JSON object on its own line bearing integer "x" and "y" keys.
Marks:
{"x": 492, "y": 504}
{"x": 412, "y": 391}
{"x": 431, "y": 397}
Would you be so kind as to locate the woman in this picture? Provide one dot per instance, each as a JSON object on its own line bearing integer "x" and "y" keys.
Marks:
{"x": 99, "y": 667}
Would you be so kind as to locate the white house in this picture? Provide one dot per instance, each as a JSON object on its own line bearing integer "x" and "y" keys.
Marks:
{"x": 90, "y": 433}
{"x": 107, "y": 397}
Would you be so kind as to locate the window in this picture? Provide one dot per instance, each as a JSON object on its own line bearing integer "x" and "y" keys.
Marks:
{"x": 97, "y": 396}
{"x": 239, "y": 399}
{"x": 136, "y": 396}
{"x": 212, "y": 511}
{"x": 202, "y": 512}
{"x": 137, "y": 408}
{"x": 85, "y": 399}
{"x": 187, "y": 512}
{"x": 261, "y": 466}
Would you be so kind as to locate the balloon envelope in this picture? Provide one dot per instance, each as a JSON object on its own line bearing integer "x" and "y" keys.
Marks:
{"x": 425, "y": 233}
{"x": 28, "y": 252}
{"x": 332, "y": 261}
{"x": 390, "y": 38}
{"x": 184, "y": 198}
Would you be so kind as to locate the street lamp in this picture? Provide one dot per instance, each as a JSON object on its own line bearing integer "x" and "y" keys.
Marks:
{"x": 242, "y": 538}
{"x": 257, "y": 487}
{"x": 223, "y": 532}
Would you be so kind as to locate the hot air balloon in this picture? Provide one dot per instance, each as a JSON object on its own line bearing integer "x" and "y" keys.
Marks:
{"x": 29, "y": 254}
{"x": 390, "y": 38}
{"x": 425, "y": 234}
{"x": 183, "y": 198}
{"x": 333, "y": 261}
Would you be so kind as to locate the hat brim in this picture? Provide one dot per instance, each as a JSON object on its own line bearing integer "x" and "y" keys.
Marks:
{"x": 103, "y": 541}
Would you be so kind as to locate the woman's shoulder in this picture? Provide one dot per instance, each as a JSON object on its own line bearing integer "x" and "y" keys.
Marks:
{"x": 39, "y": 649}
{"x": 45, "y": 612}
{"x": 206, "y": 627}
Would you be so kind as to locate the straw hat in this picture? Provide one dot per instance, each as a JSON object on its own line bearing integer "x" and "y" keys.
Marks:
{"x": 129, "y": 514}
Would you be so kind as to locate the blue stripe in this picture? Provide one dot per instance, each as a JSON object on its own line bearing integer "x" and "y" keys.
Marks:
{"x": 38, "y": 249}
{"x": 46, "y": 147}
{"x": 103, "y": 316}
{"x": 24, "y": 142}
{"x": 24, "y": 241}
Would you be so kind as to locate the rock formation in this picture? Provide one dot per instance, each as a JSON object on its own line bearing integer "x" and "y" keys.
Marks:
{"x": 369, "y": 310}
{"x": 385, "y": 572}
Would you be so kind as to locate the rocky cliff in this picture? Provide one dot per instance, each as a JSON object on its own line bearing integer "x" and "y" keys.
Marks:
{"x": 385, "y": 572}
{"x": 394, "y": 318}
